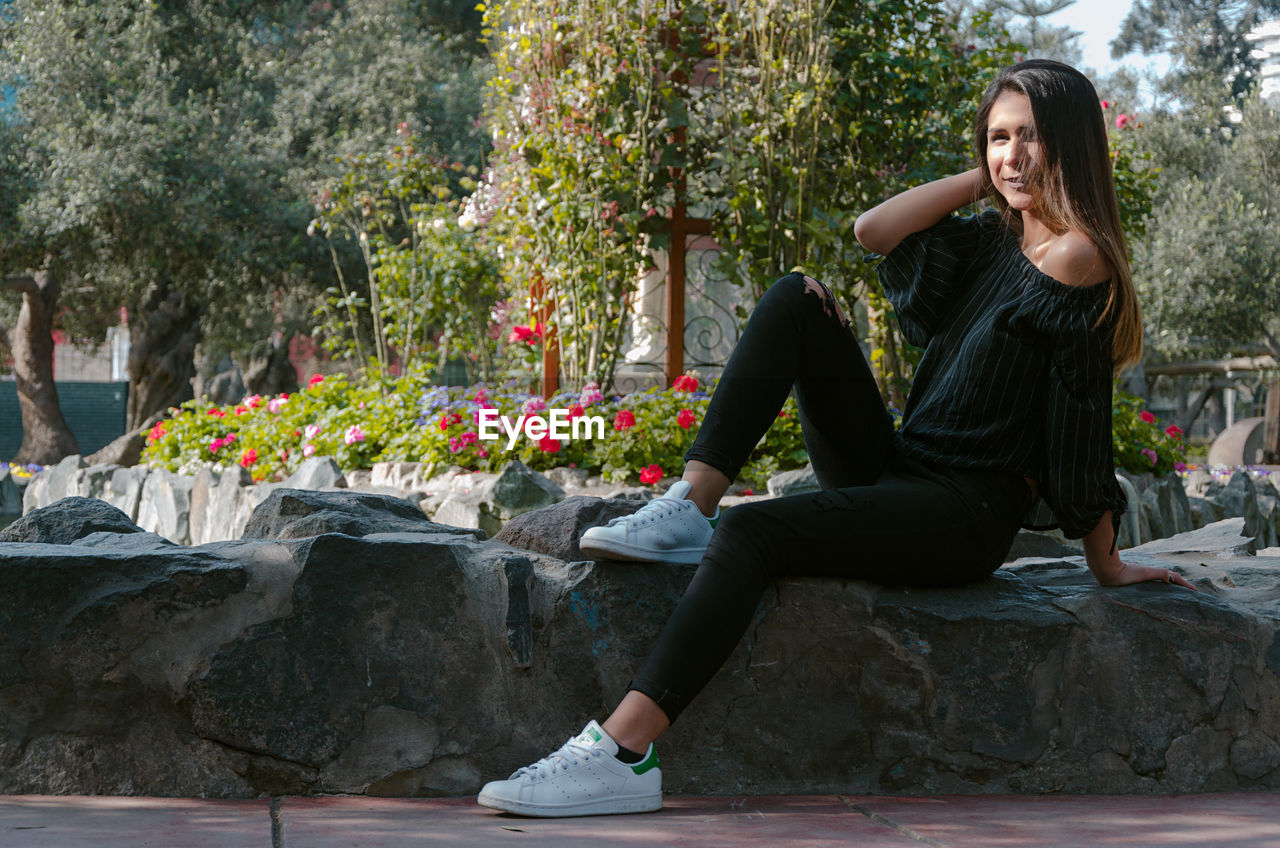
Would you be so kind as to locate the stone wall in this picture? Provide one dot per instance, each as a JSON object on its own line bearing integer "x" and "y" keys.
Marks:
{"x": 214, "y": 506}
{"x": 350, "y": 645}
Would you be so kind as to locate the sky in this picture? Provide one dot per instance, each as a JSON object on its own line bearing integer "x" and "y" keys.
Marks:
{"x": 1100, "y": 20}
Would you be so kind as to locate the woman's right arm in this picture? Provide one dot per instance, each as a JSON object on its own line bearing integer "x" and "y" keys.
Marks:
{"x": 881, "y": 228}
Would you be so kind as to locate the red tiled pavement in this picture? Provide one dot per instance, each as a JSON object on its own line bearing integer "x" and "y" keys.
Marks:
{"x": 1239, "y": 820}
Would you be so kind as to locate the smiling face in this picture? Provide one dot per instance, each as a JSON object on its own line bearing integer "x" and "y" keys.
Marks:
{"x": 1012, "y": 151}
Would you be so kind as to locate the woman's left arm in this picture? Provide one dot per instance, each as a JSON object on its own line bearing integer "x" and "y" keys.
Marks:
{"x": 1108, "y": 569}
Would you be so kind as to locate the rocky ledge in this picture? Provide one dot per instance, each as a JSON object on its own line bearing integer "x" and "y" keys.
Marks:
{"x": 354, "y": 646}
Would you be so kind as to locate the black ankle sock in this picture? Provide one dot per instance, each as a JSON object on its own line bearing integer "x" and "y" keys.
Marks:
{"x": 629, "y": 756}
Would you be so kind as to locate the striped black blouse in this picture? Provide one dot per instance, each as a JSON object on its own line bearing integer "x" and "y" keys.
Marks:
{"x": 1014, "y": 377}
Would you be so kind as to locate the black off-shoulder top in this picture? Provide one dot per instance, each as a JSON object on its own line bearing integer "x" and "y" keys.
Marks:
{"x": 1016, "y": 374}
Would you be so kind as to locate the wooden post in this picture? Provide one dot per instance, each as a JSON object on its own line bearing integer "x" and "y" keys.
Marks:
{"x": 1271, "y": 425}
{"x": 541, "y": 313}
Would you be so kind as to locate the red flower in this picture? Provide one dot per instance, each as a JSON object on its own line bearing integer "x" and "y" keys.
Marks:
{"x": 316, "y": 379}
{"x": 528, "y": 335}
{"x": 1105, "y": 105}
{"x": 444, "y": 423}
{"x": 1146, "y": 416}
{"x": 241, "y": 410}
{"x": 248, "y": 458}
{"x": 1122, "y": 120}
{"x": 685, "y": 418}
{"x": 576, "y": 411}
{"x": 549, "y": 445}
{"x": 685, "y": 383}
{"x": 1173, "y": 430}
{"x": 216, "y": 413}
{"x": 624, "y": 420}
{"x": 650, "y": 475}
{"x": 747, "y": 492}
{"x": 157, "y": 433}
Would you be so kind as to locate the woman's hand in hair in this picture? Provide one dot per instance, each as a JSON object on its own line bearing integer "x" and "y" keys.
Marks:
{"x": 881, "y": 228}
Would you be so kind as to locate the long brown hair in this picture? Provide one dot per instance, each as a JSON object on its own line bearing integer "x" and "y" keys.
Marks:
{"x": 1072, "y": 184}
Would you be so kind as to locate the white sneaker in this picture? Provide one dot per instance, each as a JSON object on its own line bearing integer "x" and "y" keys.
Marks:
{"x": 666, "y": 529}
{"x": 583, "y": 778}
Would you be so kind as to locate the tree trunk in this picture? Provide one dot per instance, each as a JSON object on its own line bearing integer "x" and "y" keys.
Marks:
{"x": 267, "y": 370}
{"x": 164, "y": 331}
{"x": 46, "y": 438}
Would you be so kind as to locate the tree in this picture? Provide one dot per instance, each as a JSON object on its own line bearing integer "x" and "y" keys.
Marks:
{"x": 1208, "y": 270}
{"x": 1206, "y": 39}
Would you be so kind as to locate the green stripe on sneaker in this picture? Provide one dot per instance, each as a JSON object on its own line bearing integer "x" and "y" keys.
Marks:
{"x": 648, "y": 763}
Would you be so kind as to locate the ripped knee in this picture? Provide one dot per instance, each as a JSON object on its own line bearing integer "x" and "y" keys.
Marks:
{"x": 829, "y": 303}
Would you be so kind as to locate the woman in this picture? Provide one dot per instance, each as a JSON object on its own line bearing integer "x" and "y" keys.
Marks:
{"x": 1025, "y": 313}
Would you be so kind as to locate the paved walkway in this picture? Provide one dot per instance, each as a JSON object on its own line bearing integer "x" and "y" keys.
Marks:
{"x": 1240, "y": 820}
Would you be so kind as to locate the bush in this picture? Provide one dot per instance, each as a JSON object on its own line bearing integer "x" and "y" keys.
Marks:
{"x": 1138, "y": 441}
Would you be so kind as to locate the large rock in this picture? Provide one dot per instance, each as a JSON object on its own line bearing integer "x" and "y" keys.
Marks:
{"x": 124, "y": 489}
{"x": 297, "y": 514}
{"x": 796, "y": 482}
{"x": 555, "y": 531}
{"x": 416, "y": 663}
{"x": 68, "y": 520}
{"x": 318, "y": 472}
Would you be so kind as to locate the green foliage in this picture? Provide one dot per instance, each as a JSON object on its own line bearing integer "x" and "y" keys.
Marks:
{"x": 1139, "y": 443}
{"x": 430, "y": 281}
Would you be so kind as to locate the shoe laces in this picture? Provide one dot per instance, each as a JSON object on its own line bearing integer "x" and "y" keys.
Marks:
{"x": 571, "y": 754}
{"x": 654, "y": 510}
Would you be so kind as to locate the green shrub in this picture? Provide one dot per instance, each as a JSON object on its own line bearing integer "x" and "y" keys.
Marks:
{"x": 1139, "y": 443}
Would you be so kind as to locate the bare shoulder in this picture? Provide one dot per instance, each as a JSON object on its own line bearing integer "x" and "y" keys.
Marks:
{"x": 1074, "y": 259}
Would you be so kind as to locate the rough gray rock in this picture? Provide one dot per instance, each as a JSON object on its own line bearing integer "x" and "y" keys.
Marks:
{"x": 165, "y": 505}
{"x": 53, "y": 484}
{"x": 555, "y": 531}
{"x": 318, "y": 472}
{"x": 519, "y": 489}
{"x": 68, "y": 520}
{"x": 297, "y": 514}
{"x": 123, "y": 489}
{"x": 420, "y": 664}
{"x": 795, "y": 482}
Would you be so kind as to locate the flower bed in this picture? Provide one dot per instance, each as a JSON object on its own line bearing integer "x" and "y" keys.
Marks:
{"x": 640, "y": 437}
{"x": 644, "y": 436}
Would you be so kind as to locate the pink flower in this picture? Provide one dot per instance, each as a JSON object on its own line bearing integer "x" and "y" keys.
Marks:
{"x": 454, "y": 444}
{"x": 253, "y": 401}
{"x": 1150, "y": 455}
{"x": 549, "y": 445}
{"x": 1173, "y": 430}
{"x": 241, "y": 410}
{"x": 624, "y": 420}
{"x": 483, "y": 454}
{"x": 1122, "y": 120}
{"x": 354, "y": 434}
{"x": 650, "y": 475}
{"x": 590, "y": 394}
{"x": 216, "y": 445}
{"x": 312, "y": 430}
{"x": 308, "y": 450}
{"x": 533, "y": 406}
{"x": 276, "y": 404}
{"x": 1180, "y": 467}
{"x": 1105, "y": 105}
{"x": 248, "y": 458}
{"x": 316, "y": 379}
{"x": 1147, "y": 416}
{"x": 469, "y": 438}
{"x": 229, "y": 438}
{"x": 685, "y": 418}
{"x": 444, "y": 423}
{"x": 685, "y": 383}
{"x": 529, "y": 335}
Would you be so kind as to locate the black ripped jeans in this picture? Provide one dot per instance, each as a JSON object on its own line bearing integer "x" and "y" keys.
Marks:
{"x": 880, "y": 516}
